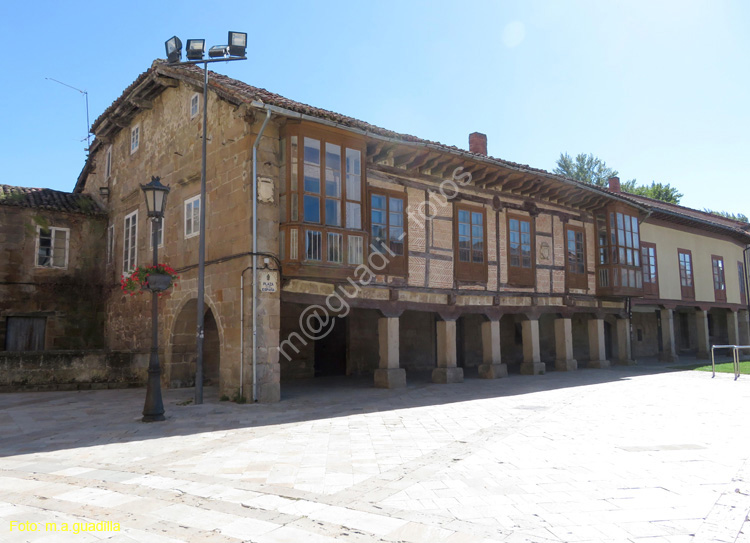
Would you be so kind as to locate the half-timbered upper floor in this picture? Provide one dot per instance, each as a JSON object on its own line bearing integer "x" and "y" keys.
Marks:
{"x": 342, "y": 195}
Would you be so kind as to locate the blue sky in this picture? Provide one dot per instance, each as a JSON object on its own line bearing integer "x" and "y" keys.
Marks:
{"x": 657, "y": 89}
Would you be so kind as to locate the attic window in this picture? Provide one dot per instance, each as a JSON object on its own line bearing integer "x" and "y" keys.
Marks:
{"x": 135, "y": 138}
{"x": 194, "y": 105}
{"x": 108, "y": 163}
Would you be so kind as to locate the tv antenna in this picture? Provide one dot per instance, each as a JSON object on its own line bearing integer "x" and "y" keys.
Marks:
{"x": 86, "y": 95}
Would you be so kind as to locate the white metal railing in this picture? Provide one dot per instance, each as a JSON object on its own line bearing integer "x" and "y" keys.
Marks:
{"x": 735, "y": 358}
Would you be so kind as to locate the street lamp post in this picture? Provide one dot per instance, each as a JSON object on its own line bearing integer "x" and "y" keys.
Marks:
{"x": 235, "y": 50}
{"x": 156, "y": 201}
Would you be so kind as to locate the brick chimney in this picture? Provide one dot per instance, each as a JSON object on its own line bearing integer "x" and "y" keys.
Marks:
{"x": 478, "y": 143}
{"x": 614, "y": 184}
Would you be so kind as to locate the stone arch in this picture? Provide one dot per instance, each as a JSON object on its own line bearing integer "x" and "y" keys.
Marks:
{"x": 181, "y": 350}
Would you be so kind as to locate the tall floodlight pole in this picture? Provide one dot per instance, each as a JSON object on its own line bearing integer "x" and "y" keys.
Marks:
{"x": 218, "y": 53}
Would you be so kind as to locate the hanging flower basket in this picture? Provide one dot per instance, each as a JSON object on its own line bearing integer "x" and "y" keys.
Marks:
{"x": 157, "y": 278}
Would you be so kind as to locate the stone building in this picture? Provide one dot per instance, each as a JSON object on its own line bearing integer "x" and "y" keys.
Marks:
{"x": 397, "y": 254}
{"x": 50, "y": 287}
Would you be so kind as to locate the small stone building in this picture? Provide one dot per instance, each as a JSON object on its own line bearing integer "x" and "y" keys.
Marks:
{"x": 51, "y": 289}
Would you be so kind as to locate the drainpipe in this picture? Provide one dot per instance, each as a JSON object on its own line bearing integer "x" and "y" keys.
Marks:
{"x": 242, "y": 331}
{"x": 746, "y": 279}
{"x": 254, "y": 181}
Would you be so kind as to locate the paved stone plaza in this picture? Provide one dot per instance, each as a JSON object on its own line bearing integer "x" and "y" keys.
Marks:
{"x": 640, "y": 454}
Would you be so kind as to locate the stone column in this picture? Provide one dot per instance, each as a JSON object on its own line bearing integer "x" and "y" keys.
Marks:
{"x": 733, "y": 328}
{"x": 701, "y": 324}
{"x": 447, "y": 371}
{"x": 532, "y": 364}
{"x": 389, "y": 375}
{"x": 624, "y": 353}
{"x": 564, "y": 360}
{"x": 597, "y": 351}
{"x": 744, "y": 326}
{"x": 669, "y": 352}
{"x": 492, "y": 366}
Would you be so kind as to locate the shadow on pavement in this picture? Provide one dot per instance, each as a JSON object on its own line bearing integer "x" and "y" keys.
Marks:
{"x": 32, "y": 422}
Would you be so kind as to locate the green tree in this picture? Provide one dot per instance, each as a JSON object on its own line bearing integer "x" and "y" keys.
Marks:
{"x": 734, "y": 216}
{"x": 585, "y": 168}
{"x": 594, "y": 171}
{"x": 658, "y": 191}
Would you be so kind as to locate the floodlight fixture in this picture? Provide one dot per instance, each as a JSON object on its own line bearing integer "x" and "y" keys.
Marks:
{"x": 218, "y": 51}
{"x": 194, "y": 49}
{"x": 237, "y": 43}
{"x": 174, "y": 49}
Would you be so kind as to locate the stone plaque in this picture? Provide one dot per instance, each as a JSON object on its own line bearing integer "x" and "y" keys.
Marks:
{"x": 269, "y": 281}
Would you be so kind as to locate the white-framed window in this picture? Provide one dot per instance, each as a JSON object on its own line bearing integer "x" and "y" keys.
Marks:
{"x": 192, "y": 216}
{"x": 110, "y": 243}
{"x": 335, "y": 247}
{"x": 108, "y": 163}
{"x": 355, "y": 251}
{"x": 135, "y": 138}
{"x": 159, "y": 233}
{"x": 130, "y": 242}
{"x": 52, "y": 247}
{"x": 194, "y": 105}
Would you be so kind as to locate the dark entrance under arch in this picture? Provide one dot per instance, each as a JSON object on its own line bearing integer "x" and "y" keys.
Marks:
{"x": 181, "y": 369}
{"x": 330, "y": 351}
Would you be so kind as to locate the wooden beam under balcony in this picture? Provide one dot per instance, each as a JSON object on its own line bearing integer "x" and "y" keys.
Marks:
{"x": 479, "y": 174}
{"x": 429, "y": 163}
{"x": 385, "y": 152}
{"x": 538, "y": 188}
{"x": 439, "y": 169}
{"x": 494, "y": 180}
{"x": 405, "y": 158}
{"x": 166, "y": 81}
{"x": 513, "y": 182}
{"x": 420, "y": 161}
{"x": 141, "y": 104}
{"x": 525, "y": 187}
{"x": 543, "y": 189}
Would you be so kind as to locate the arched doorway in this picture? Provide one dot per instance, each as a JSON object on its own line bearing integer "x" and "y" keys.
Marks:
{"x": 211, "y": 349}
{"x": 181, "y": 369}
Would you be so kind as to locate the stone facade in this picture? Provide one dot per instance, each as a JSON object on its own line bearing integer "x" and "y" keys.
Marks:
{"x": 64, "y": 299}
{"x": 170, "y": 148}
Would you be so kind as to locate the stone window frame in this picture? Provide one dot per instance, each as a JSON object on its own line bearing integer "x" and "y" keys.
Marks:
{"x": 573, "y": 278}
{"x": 195, "y": 223}
{"x": 130, "y": 242}
{"x": 194, "y": 105}
{"x": 718, "y": 276}
{"x": 53, "y": 231}
{"x": 743, "y": 285}
{"x": 474, "y": 272}
{"x": 135, "y": 138}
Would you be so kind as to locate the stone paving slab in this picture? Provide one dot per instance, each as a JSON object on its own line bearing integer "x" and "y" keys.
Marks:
{"x": 630, "y": 454}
